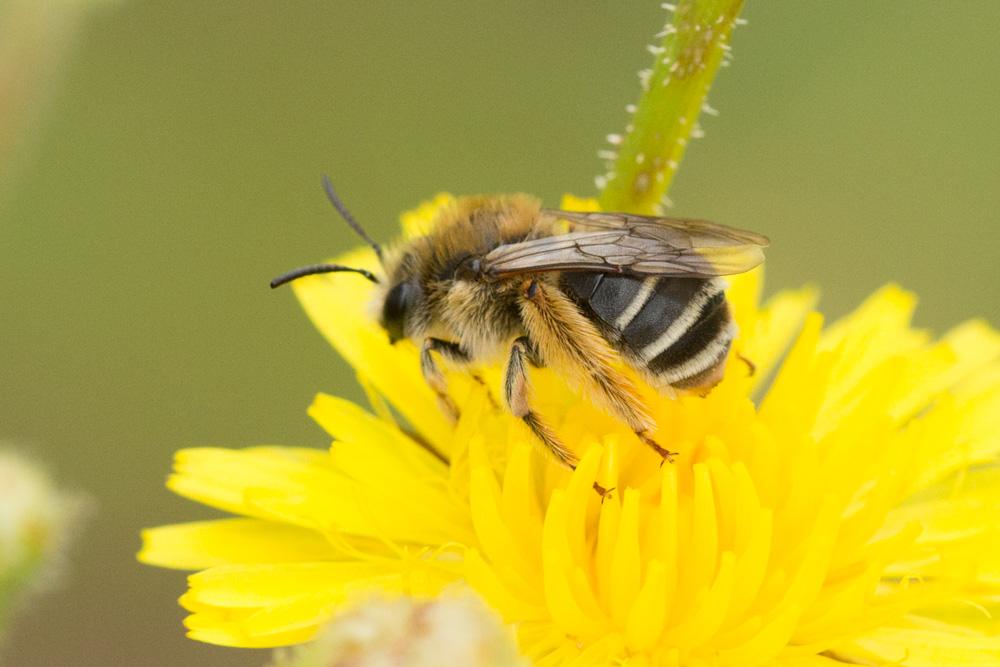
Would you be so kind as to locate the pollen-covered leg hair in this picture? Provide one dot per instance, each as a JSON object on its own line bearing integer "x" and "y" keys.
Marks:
{"x": 433, "y": 375}
{"x": 571, "y": 343}
{"x": 516, "y": 390}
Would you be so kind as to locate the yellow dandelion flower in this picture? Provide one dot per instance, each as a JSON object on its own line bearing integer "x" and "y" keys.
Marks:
{"x": 840, "y": 505}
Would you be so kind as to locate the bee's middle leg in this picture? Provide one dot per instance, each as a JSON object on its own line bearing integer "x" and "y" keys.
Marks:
{"x": 433, "y": 375}
{"x": 516, "y": 390}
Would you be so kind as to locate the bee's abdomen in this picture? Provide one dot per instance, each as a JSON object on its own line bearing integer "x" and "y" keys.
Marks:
{"x": 677, "y": 329}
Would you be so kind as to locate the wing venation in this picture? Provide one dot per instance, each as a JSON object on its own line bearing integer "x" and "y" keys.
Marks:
{"x": 624, "y": 243}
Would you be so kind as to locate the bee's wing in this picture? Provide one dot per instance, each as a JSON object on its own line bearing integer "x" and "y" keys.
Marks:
{"x": 623, "y": 243}
{"x": 681, "y": 230}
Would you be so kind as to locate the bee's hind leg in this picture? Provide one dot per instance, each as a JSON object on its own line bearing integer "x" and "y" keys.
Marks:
{"x": 433, "y": 375}
{"x": 516, "y": 390}
{"x": 668, "y": 456}
{"x": 555, "y": 317}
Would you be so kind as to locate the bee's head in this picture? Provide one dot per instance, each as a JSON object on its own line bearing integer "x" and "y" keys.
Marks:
{"x": 400, "y": 302}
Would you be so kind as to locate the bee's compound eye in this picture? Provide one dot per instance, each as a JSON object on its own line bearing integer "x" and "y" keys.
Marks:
{"x": 398, "y": 303}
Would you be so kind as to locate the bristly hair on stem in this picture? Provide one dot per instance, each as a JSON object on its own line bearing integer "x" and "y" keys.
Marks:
{"x": 694, "y": 44}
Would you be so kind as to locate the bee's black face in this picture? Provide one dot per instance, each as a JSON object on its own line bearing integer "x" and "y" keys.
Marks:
{"x": 398, "y": 303}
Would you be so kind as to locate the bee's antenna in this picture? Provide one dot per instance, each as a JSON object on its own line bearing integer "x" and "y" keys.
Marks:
{"x": 346, "y": 215}
{"x": 319, "y": 268}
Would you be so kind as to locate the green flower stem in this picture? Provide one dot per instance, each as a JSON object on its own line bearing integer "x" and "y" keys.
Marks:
{"x": 686, "y": 61}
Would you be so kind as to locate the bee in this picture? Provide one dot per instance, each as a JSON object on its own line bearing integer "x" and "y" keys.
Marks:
{"x": 499, "y": 278}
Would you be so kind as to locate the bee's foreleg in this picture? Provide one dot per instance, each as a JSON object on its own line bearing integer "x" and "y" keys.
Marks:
{"x": 433, "y": 375}
{"x": 516, "y": 390}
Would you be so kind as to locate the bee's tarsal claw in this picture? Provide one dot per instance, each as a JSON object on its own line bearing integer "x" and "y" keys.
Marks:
{"x": 604, "y": 493}
{"x": 668, "y": 456}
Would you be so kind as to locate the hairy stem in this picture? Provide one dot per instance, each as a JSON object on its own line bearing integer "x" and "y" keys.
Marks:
{"x": 694, "y": 45}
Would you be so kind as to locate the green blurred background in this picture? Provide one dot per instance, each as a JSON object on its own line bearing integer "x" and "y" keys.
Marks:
{"x": 176, "y": 169}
